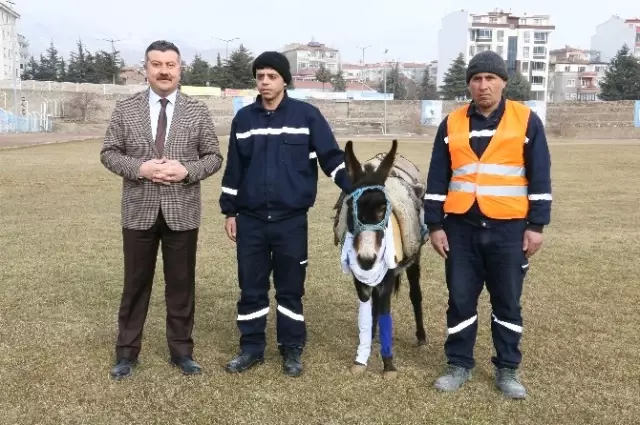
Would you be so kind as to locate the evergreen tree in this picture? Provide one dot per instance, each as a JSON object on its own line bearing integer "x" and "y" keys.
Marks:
{"x": 622, "y": 79}
{"x": 79, "y": 65}
{"x": 238, "y": 69}
{"x": 518, "y": 88}
{"x": 395, "y": 84}
{"x": 455, "y": 80}
{"x": 338, "y": 82}
{"x": 427, "y": 89}
{"x": 323, "y": 75}
{"x": 198, "y": 73}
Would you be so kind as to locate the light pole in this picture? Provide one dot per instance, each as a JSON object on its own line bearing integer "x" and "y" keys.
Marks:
{"x": 14, "y": 69}
{"x": 228, "y": 41}
{"x": 363, "y": 49}
{"x": 113, "y": 55}
{"x": 384, "y": 72}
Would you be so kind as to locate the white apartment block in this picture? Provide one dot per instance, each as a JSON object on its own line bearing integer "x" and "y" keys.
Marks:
{"x": 374, "y": 72}
{"x": 23, "y": 50}
{"x": 522, "y": 41}
{"x": 307, "y": 58}
{"x": 10, "y": 58}
{"x": 612, "y": 34}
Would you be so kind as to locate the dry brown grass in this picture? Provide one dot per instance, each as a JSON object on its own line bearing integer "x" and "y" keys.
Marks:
{"x": 61, "y": 279}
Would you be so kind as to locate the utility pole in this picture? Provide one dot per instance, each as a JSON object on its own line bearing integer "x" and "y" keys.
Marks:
{"x": 363, "y": 49}
{"x": 384, "y": 71}
{"x": 113, "y": 54}
{"x": 14, "y": 69}
{"x": 227, "y": 42}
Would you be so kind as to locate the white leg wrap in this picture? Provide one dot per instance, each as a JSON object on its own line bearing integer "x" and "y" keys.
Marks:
{"x": 365, "y": 325}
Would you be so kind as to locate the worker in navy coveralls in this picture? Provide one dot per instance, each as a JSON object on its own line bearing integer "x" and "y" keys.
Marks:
{"x": 488, "y": 198}
{"x": 269, "y": 184}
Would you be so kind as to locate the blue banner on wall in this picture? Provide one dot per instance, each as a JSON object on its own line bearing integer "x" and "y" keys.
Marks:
{"x": 636, "y": 114}
{"x": 240, "y": 102}
{"x": 431, "y": 113}
{"x": 540, "y": 108}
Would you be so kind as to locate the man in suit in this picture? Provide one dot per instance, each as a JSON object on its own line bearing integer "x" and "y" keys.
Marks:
{"x": 162, "y": 143}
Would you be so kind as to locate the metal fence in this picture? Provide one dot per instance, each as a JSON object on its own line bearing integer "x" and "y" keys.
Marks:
{"x": 33, "y": 122}
{"x": 33, "y": 85}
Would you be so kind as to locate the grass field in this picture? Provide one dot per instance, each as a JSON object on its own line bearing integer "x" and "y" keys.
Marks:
{"x": 61, "y": 278}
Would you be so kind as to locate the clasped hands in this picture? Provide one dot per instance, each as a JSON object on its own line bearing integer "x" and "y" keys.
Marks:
{"x": 163, "y": 171}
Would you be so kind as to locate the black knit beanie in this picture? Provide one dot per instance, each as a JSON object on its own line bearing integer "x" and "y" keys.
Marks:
{"x": 487, "y": 61}
{"x": 275, "y": 60}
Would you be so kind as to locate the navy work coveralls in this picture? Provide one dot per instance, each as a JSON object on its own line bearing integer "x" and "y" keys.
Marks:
{"x": 487, "y": 250}
{"x": 269, "y": 184}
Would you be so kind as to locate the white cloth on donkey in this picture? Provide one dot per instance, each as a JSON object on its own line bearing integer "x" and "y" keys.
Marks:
{"x": 385, "y": 259}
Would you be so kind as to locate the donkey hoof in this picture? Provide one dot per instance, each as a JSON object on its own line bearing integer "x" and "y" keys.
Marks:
{"x": 358, "y": 369}
{"x": 422, "y": 343}
{"x": 390, "y": 374}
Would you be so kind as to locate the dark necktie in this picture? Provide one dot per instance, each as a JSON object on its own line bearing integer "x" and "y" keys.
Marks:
{"x": 162, "y": 126}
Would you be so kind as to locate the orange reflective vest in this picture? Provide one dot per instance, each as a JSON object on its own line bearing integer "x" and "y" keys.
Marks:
{"x": 497, "y": 179}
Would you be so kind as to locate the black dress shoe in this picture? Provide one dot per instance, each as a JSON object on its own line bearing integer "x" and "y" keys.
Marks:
{"x": 244, "y": 361}
{"x": 292, "y": 362}
{"x": 123, "y": 368}
{"x": 187, "y": 365}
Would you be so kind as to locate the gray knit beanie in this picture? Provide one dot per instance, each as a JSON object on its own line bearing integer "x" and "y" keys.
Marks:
{"x": 487, "y": 61}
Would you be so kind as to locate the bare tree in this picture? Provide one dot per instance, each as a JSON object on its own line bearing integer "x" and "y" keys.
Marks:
{"x": 82, "y": 104}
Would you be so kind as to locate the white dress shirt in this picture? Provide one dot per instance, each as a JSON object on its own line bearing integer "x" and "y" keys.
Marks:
{"x": 154, "y": 111}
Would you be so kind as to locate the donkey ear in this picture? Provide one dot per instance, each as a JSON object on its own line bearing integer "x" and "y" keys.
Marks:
{"x": 387, "y": 163}
{"x": 354, "y": 168}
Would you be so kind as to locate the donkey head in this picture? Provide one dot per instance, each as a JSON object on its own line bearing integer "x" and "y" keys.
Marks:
{"x": 368, "y": 207}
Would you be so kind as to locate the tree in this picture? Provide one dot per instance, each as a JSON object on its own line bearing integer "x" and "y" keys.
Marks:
{"x": 455, "y": 80}
{"x": 427, "y": 89}
{"x": 338, "y": 82}
{"x": 622, "y": 79}
{"x": 238, "y": 69}
{"x": 323, "y": 75}
{"x": 395, "y": 83}
{"x": 518, "y": 88}
{"x": 198, "y": 73}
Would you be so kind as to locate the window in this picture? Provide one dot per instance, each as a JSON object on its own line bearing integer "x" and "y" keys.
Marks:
{"x": 539, "y": 51}
{"x": 525, "y": 67}
{"x": 525, "y": 52}
{"x": 570, "y": 96}
{"x": 538, "y": 66}
{"x": 567, "y": 68}
{"x": 527, "y": 36}
{"x": 472, "y": 50}
{"x": 582, "y": 68}
{"x": 500, "y": 50}
{"x": 571, "y": 83}
{"x": 500, "y": 35}
{"x": 485, "y": 34}
{"x": 537, "y": 80}
{"x": 540, "y": 37}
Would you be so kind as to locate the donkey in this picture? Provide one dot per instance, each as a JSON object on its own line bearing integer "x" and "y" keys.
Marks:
{"x": 368, "y": 221}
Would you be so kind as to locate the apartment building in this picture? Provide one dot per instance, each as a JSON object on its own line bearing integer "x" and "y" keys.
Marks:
{"x": 305, "y": 59}
{"x": 521, "y": 40}
{"x": 23, "y": 50}
{"x": 10, "y": 59}
{"x": 374, "y": 72}
{"x": 575, "y": 75}
{"x": 612, "y": 34}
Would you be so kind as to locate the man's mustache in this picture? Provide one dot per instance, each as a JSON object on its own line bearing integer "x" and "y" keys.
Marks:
{"x": 164, "y": 77}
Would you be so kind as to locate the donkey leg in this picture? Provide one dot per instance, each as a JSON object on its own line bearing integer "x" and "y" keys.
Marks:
{"x": 385, "y": 323}
{"x": 374, "y": 315}
{"x": 363, "y": 353}
{"x": 415, "y": 294}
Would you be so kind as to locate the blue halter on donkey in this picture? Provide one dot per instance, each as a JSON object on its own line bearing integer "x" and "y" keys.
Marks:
{"x": 368, "y": 253}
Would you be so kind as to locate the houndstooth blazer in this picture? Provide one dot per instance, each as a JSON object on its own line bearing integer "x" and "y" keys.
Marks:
{"x": 128, "y": 143}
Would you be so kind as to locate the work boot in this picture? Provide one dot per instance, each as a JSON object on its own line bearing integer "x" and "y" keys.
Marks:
{"x": 507, "y": 381}
{"x": 244, "y": 361}
{"x": 453, "y": 378}
{"x": 291, "y": 361}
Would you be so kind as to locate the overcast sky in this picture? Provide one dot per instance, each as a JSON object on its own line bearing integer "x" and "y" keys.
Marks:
{"x": 408, "y": 28}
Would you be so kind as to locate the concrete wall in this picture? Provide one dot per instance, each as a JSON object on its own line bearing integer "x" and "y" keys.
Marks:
{"x": 592, "y": 120}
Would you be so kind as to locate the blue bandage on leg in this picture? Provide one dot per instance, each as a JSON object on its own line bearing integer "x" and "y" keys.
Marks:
{"x": 385, "y": 324}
